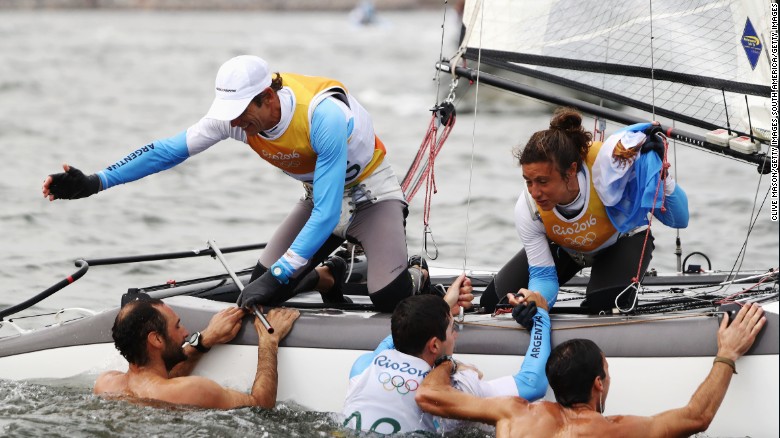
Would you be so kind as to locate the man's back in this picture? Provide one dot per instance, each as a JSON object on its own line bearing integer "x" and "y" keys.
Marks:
{"x": 582, "y": 416}
{"x": 546, "y": 418}
{"x": 147, "y": 385}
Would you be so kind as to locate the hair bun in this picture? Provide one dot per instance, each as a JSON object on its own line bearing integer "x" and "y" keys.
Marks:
{"x": 566, "y": 119}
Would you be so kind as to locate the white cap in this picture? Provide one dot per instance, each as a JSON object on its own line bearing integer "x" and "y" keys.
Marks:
{"x": 238, "y": 81}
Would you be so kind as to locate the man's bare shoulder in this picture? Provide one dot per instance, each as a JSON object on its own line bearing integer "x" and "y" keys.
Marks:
{"x": 111, "y": 383}
{"x": 148, "y": 386}
{"x": 199, "y": 392}
{"x": 541, "y": 418}
{"x": 194, "y": 391}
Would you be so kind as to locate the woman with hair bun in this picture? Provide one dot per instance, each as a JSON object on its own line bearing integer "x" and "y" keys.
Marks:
{"x": 587, "y": 205}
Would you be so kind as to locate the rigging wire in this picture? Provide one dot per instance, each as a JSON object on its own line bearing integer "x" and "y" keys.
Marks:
{"x": 753, "y": 219}
{"x": 751, "y": 223}
{"x": 600, "y": 125}
{"x": 426, "y": 228}
{"x": 437, "y": 78}
{"x": 678, "y": 241}
{"x": 433, "y": 146}
{"x": 652, "y": 60}
{"x": 636, "y": 282}
{"x": 473, "y": 138}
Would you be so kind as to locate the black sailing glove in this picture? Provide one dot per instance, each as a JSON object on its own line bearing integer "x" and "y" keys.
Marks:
{"x": 264, "y": 290}
{"x": 257, "y": 272}
{"x": 654, "y": 142}
{"x": 524, "y": 314}
{"x": 73, "y": 184}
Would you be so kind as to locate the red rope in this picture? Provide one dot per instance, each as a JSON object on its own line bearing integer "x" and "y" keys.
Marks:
{"x": 418, "y": 158}
{"x": 432, "y": 146}
{"x": 730, "y": 298}
{"x": 501, "y": 311}
{"x": 430, "y": 184}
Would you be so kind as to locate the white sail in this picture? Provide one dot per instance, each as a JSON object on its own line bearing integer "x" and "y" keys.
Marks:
{"x": 717, "y": 42}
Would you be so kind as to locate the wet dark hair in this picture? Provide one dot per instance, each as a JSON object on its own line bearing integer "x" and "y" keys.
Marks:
{"x": 572, "y": 368}
{"x": 416, "y": 319}
{"x": 133, "y": 324}
{"x": 276, "y": 85}
{"x": 565, "y": 142}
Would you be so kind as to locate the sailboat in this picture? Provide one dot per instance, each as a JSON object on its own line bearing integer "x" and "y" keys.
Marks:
{"x": 706, "y": 69}
{"x": 646, "y": 58}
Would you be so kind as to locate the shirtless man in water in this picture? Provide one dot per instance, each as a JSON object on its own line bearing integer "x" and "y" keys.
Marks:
{"x": 149, "y": 335}
{"x": 579, "y": 375}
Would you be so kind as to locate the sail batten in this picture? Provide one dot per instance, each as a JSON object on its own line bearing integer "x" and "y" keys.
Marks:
{"x": 622, "y": 70}
{"x": 608, "y": 95}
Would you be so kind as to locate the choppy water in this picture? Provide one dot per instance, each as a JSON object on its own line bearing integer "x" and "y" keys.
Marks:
{"x": 86, "y": 87}
{"x": 67, "y": 409}
{"x": 30, "y": 409}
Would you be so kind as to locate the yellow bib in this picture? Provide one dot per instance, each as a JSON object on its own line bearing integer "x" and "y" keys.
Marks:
{"x": 292, "y": 151}
{"x": 588, "y": 230}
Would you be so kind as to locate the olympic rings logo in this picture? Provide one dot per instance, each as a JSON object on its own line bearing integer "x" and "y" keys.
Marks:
{"x": 581, "y": 241}
{"x": 398, "y": 383}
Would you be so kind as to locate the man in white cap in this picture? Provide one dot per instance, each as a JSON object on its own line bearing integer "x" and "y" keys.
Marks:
{"x": 315, "y": 131}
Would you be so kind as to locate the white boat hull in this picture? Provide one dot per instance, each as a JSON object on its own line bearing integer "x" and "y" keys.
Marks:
{"x": 317, "y": 378}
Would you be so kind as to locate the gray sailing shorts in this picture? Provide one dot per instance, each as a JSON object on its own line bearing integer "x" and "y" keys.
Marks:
{"x": 377, "y": 226}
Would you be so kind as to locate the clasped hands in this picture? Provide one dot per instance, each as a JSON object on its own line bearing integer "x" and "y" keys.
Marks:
{"x": 524, "y": 303}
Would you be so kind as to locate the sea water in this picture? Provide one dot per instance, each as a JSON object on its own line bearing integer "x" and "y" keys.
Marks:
{"x": 89, "y": 87}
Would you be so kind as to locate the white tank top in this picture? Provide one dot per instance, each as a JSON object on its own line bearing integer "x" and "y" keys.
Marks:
{"x": 381, "y": 399}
